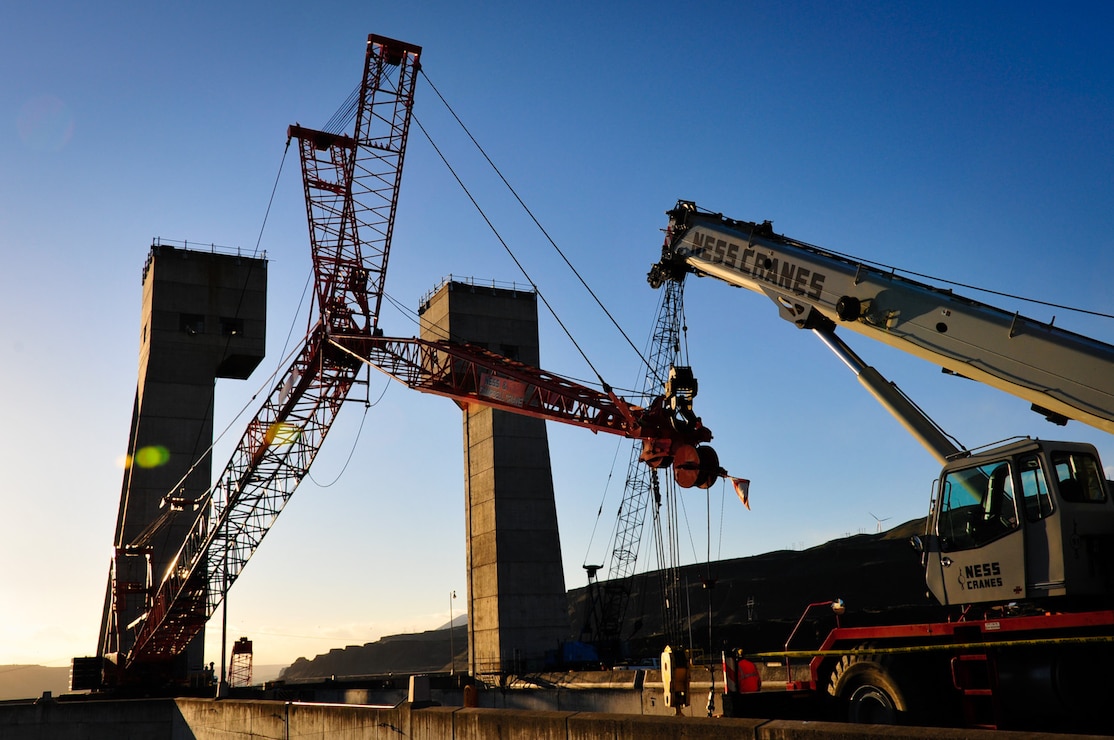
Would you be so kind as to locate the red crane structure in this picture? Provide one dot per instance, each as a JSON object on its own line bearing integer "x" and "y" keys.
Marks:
{"x": 351, "y": 185}
{"x": 239, "y": 667}
{"x": 609, "y": 599}
{"x": 351, "y": 190}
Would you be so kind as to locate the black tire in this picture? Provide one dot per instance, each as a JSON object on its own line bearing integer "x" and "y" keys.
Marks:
{"x": 866, "y": 687}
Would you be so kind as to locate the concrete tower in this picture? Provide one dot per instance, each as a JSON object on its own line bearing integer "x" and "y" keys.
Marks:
{"x": 517, "y": 606}
{"x": 204, "y": 317}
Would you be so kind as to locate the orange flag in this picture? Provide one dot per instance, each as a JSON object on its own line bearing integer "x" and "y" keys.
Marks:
{"x": 742, "y": 489}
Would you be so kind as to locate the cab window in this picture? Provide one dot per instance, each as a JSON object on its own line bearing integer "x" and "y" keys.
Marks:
{"x": 976, "y": 506}
{"x": 1079, "y": 477}
{"x": 1035, "y": 495}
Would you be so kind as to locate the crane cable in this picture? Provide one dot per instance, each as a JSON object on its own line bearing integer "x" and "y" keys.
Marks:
{"x": 967, "y": 286}
{"x": 510, "y": 252}
{"x": 209, "y": 450}
{"x": 537, "y": 223}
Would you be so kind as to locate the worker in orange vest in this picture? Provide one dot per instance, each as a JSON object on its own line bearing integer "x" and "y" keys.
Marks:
{"x": 740, "y": 675}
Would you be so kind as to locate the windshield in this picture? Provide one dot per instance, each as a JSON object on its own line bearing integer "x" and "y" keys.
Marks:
{"x": 976, "y": 506}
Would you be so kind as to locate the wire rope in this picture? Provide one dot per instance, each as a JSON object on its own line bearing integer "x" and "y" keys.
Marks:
{"x": 200, "y": 457}
{"x": 599, "y": 512}
{"x": 345, "y": 114}
{"x": 352, "y": 450}
{"x": 966, "y": 286}
{"x": 510, "y": 252}
{"x": 533, "y": 218}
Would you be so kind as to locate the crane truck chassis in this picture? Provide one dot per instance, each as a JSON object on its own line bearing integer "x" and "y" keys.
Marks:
{"x": 1018, "y": 551}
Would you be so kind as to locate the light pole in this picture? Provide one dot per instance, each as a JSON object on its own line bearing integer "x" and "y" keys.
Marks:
{"x": 452, "y": 647}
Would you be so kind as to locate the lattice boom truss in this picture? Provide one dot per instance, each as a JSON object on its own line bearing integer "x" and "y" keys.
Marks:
{"x": 469, "y": 373}
{"x": 351, "y": 186}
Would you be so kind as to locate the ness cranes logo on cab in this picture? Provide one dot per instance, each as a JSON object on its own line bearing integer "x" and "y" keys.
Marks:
{"x": 788, "y": 275}
{"x": 981, "y": 575}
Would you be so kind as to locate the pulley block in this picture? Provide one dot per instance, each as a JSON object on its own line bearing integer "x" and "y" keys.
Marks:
{"x": 696, "y": 466}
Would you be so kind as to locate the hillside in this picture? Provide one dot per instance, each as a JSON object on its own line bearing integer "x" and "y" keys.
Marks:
{"x": 30, "y": 681}
{"x": 754, "y": 602}
{"x": 424, "y": 652}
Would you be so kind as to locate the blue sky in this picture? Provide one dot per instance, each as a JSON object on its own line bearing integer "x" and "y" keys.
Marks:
{"x": 966, "y": 141}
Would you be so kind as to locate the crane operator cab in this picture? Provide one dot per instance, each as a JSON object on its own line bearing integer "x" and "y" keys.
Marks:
{"x": 1031, "y": 520}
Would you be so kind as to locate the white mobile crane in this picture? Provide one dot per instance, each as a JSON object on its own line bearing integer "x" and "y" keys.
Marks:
{"x": 1019, "y": 540}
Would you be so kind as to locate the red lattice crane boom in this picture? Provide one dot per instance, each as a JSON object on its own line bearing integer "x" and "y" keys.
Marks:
{"x": 351, "y": 185}
{"x": 351, "y": 188}
{"x": 470, "y": 374}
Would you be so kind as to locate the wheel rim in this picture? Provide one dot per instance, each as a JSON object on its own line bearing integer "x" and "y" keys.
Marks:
{"x": 872, "y": 705}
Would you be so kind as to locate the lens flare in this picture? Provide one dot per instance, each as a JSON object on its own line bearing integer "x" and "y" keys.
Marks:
{"x": 45, "y": 123}
{"x": 283, "y": 433}
{"x": 152, "y": 456}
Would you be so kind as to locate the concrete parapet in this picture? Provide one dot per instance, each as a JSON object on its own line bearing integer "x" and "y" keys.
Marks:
{"x": 591, "y": 726}
{"x": 89, "y": 720}
{"x": 433, "y": 722}
{"x": 208, "y": 719}
{"x": 203, "y": 719}
{"x": 482, "y": 724}
{"x": 794, "y": 730}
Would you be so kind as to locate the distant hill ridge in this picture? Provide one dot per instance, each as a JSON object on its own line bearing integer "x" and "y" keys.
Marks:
{"x": 30, "y": 681}
{"x": 872, "y": 573}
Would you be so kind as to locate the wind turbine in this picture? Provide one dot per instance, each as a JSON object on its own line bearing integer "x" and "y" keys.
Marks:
{"x": 879, "y": 521}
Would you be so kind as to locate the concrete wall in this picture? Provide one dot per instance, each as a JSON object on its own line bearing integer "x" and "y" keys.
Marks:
{"x": 207, "y": 719}
{"x": 517, "y": 603}
{"x": 203, "y": 318}
{"x": 91, "y": 720}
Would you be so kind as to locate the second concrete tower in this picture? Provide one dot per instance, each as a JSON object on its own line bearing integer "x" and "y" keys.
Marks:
{"x": 517, "y": 605}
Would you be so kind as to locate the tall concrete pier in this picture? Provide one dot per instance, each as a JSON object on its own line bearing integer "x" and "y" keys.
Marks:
{"x": 517, "y": 607}
{"x": 203, "y": 318}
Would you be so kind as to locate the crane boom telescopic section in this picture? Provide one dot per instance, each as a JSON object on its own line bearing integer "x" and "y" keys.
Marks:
{"x": 1063, "y": 374}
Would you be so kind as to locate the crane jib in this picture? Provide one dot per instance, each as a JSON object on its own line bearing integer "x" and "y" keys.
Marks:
{"x": 1064, "y": 375}
{"x": 747, "y": 260}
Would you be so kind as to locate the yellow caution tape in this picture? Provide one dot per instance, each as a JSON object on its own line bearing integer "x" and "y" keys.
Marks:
{"x": 981, "y": 646}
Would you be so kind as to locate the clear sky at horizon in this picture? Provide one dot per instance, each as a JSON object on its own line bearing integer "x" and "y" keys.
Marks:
{"x": 968, "y": 141}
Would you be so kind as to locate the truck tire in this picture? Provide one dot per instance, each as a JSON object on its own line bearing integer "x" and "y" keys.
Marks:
{"x": 866, "y": 687}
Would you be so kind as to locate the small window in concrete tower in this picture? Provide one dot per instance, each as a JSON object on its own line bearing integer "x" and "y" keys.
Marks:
{"x": 192, "y": 323}
{"x": 230, "y": 327}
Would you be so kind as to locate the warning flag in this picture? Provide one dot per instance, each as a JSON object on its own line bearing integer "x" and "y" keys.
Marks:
{"x": 742, "y": 489}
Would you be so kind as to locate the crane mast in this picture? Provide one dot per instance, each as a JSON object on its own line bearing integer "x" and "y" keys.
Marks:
{"x": 609, "y": 600}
